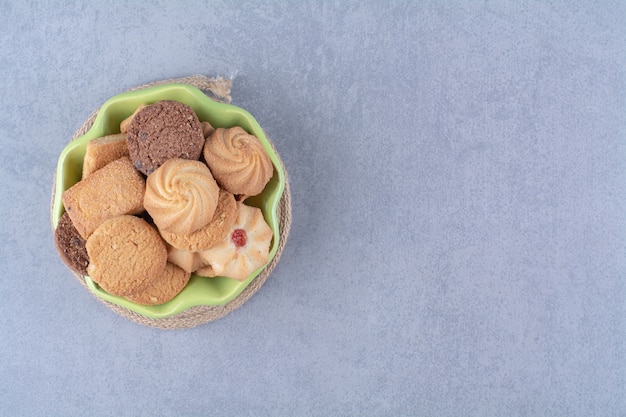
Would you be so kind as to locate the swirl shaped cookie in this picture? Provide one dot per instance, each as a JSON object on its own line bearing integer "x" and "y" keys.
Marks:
{"x": 238, "y": 161}
{"x": 181, "y": 196}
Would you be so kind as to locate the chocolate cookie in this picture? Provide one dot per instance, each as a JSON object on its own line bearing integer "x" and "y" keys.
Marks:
{"x": 161, "y": 131}
{"x": 71, "y": 246}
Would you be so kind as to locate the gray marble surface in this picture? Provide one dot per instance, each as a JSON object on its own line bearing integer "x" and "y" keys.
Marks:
{"x": 458, "y": 178}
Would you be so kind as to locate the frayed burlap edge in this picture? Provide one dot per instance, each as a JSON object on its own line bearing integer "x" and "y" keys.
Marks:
{"x": 217, "y": 88}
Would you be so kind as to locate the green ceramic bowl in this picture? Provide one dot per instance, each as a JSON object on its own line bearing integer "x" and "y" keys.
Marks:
{"x": 200, "y": 290}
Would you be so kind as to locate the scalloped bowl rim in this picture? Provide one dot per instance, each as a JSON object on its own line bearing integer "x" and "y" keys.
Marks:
{"x": 200, "y": 291}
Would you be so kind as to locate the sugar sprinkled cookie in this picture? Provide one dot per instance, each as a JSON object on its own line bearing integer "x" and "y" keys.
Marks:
{"x": 115, "y": 189}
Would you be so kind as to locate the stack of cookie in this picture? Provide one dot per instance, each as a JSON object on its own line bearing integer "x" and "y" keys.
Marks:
{"x": 163, "y": 199}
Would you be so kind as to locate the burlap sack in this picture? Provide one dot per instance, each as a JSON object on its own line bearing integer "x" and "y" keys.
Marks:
{"x": 218, "y": 89}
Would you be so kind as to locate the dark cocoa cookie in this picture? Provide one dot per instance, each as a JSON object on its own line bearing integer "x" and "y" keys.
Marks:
{"x": 71, "y": 246}
{"x": 161, "y": 131}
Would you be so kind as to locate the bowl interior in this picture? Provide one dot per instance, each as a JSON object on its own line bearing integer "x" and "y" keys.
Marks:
{"x": 200, "y": 290}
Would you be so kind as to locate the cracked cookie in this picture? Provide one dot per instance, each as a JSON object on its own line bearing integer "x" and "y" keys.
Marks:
{"x": 126, "y": 255}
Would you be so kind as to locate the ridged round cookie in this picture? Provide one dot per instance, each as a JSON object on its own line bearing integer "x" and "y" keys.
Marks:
{"x": 238, "y": 161}
{"x": 126, "y": 254}
{"x": 71, "y": 245}
{"x": 181, "y": 195}
{"x": 161, "y": 131}
{"x": 164, "y": 288}
{"x": 212, "y": 233}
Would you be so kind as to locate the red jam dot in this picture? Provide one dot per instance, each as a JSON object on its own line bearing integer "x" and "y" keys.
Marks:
{"x": 239, "y": 237}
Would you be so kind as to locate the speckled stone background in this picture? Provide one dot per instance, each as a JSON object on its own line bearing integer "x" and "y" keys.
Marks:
{"x": 458, "y": 177}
